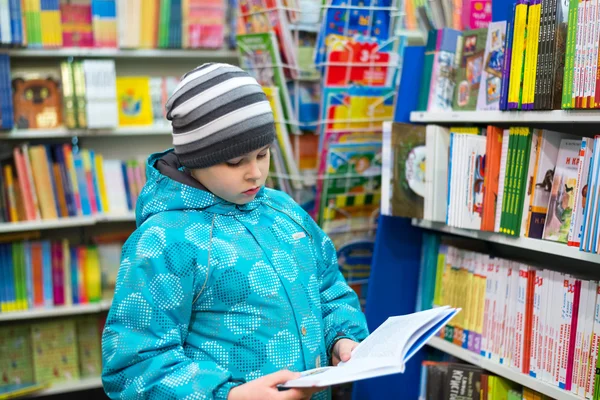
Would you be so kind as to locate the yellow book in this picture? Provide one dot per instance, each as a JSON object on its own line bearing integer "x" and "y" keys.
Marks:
{"x": 10, "y": 188}
{"x": 41, "y": 178}
{"x": 518, "y": 49}
{"x": 528, "y": 82}
{"x": 185, "y": 22}
{"x": 439, "y": 275}
{"x": 93, "y": 283}
{"x": 99, "y": 161}
{"x": 133, "y": 98}
{"x": 533, "y": 35}
{"x": 149, "y": 24}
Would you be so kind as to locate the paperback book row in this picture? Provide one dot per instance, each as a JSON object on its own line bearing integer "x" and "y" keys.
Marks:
{"x": 51, "y": 352}
{"x": 84, "y": 94}
{"x": 46, "y": 273}
{"x": 439, "y": 14}
{"x": 545, "y": 57}
{"x": 46, "y": 182}
{"x": 541, "y": 323}
{"x": 519, "y": 181}
{"x": 147, "y": 24}
{"x": 443, "y": 380}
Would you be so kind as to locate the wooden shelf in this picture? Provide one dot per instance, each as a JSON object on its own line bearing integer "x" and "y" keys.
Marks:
{"x": 507, "y": 117}
{"x": 206, "y": 54}
{"x": 58, "y": 311}
{"x": 542, "y": 246}
{"x": 500, "y": 370}
{"x": 22, "y": 134}
{"x": 60, "y": 223}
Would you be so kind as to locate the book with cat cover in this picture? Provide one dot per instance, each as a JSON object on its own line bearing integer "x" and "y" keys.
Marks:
{"x": 37, "y": 98}
{"x": 562, "y": 196}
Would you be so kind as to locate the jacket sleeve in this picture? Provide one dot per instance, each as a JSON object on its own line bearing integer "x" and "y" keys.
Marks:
{"x": 342, "y": 314}
{"x": 142, "y": 343}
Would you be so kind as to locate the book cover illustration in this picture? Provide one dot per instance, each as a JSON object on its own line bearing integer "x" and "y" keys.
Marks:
{"x": 562, "y": 196}
{"x": 37, "y": 99}
{"x": 88, "y": 346}
{"x": 259, "y": 55}
{"x": 350, "y": 191}
{"x": 134, "y": 100}
{"x": 471, "y": 64}
{"x": 54, "y": 351}
{"x": 16, "y": 362}
{"x": 491, "y": 75}
{"x": 408, "y": 170}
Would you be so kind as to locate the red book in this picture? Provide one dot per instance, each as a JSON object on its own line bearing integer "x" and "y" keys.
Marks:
{"x": 491, "y": 177}
{"x": 37, "y": 271}
{"x": 531, "y": 273}
{"x": 573, "y": 334}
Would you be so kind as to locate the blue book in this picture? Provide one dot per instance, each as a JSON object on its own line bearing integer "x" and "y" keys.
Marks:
{"x": 126, "y": 182}
{"x": 74, "y": 274}
{"x": 86, "y": 208}
{"x": 11, "y": 287}
{"x": 95, "y": 181}
{"x": 16, "y": 22}
{"x": 510, "y": 26}
{"x": 410, "y": 82}
{"x": 47, "y": 273}
{"x": 59, "y": 158}
{"x": 52, "y": 182}
{"x": 175, "y": 22}
{"x": 28, "y": 272}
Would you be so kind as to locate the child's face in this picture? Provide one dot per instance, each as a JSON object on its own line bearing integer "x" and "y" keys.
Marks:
{"x": 237, "y": 180}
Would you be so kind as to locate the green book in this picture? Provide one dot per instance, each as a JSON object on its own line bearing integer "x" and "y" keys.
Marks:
{"x": 163, "y": 26}
{"x": 523, "y": 181}
{"x": 88, "y": 347}
{"x": 430, "y": 52}
{"x": 16, "y": 363}
{"x": 567, "y": 94}
{"x": 517, "y": 172}
{"x": 55, "y": 351}
{"x": 507, "y": 179}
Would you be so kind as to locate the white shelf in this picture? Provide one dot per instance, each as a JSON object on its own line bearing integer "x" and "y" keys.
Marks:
{"x": 542, "y": 246}
{"x": 20, "y": 134}
{"x": 67, "y": 387}
{"x": 522, "y": 379}
{"x": 491, "y": 117}
{"x": 60, "y": 223}
{"x": 58, "y": 311}
{"x": 206, "y": 54}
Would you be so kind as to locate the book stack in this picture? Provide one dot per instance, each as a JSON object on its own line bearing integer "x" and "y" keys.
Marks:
{"x": 44, "y": 273}
{"x": 180, "y": 24}
{"x": 535, "y": 321}
{"x": 51, "y": 352}
{"x": 45, "y": 182}
{"x": 442, "y": 380}
{"x": 86, "y": 94}
{"x": 519, "y": 181}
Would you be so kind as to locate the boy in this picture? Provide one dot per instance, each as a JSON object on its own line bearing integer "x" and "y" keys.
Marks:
{"x": 226, "y": 286}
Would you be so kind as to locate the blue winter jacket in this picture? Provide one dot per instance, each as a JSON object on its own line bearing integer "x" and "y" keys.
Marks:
{"x": 210, "y": 294}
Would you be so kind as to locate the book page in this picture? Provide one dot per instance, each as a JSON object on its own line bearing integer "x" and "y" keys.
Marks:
{"x": 383, "y": 352}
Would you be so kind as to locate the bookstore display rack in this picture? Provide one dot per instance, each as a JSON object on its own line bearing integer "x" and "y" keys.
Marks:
{"x": 66, "y": 387}
{"x": 216, "y": 54}
{"x": 56, "y": 311}
{"x": 506, "y": 117}
{"x": 62, "y": 223}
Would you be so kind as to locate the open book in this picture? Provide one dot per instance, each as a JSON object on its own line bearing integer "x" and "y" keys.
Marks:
{"x": 384, "y": 352}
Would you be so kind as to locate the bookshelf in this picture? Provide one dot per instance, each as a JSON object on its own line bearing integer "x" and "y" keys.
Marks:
{"x": 71, "y": 222}
{"x": 221, "y": 54}
{"x": 67, "y": 387}
{"x": 542, "y": 246}
{"x": 22, "y": 134}
{"x": 522, "y": 379}
{"x": 56, "y": 311}
{"x": 506, "y": 117}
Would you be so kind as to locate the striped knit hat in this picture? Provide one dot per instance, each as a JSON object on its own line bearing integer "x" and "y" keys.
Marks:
{"x": 218, "y": 112}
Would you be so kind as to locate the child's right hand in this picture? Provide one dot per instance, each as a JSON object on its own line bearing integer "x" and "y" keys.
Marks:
{"x": 265, "y": 388}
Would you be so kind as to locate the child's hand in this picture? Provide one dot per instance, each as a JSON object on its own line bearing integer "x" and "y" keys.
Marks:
{"x": 342, "y": 351}
{"x": 265, "y": 388}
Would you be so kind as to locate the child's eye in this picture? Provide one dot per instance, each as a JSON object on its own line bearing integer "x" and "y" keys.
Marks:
{"x": 233, "y": 163}
{"x": 261, "y": 156}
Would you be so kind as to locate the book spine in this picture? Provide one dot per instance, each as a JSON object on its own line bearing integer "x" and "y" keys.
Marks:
{"x": 572, "y": 334}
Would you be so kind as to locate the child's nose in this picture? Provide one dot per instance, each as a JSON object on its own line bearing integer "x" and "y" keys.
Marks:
{"x": 253, "y": 172}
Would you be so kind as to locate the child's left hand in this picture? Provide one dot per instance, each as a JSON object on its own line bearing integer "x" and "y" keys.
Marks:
{"x": 342, "y": 351}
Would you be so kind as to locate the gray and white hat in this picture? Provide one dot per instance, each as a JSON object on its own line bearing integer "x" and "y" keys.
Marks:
{"x": 218, "y": 112}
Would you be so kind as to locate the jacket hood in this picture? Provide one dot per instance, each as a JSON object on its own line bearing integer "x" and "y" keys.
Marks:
{"x": 169, "y": 188}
